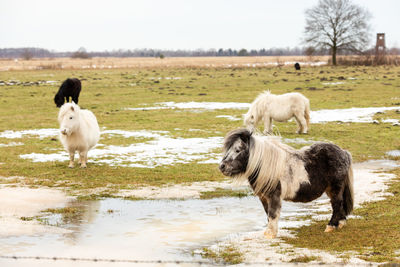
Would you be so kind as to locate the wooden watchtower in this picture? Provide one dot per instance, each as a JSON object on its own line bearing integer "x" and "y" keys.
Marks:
{"x": 380, "y": 44}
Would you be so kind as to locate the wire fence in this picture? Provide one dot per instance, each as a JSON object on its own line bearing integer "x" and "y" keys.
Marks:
{"x": 176, "y": 262}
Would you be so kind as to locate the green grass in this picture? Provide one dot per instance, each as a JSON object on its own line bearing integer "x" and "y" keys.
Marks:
{"x": 305, "y": 259}
{"x": 226, "y": 255}
{"x": 221, "y": 192}
{"x": 108, "y": 92}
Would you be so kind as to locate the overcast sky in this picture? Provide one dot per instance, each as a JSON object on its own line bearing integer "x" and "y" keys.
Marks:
{"x": 97, "y": 25}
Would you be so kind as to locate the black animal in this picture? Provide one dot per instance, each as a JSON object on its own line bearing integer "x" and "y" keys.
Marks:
{"x": 279, "y": 172}
{"x": 297, "y": 66}
{"x": 69, "y": 88}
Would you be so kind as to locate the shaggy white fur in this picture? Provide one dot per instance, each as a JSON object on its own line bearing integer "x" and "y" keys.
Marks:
{"x": 79, "y": 131}
{"x": 268, "y": 107}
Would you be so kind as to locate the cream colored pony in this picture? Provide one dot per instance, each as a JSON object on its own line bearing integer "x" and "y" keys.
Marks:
{"x": 79, "y": 131}
{"x": 268, "y": 107}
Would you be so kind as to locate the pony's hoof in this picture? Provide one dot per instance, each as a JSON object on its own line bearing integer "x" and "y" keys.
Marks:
{"x": 342, "y": 223}
{"x": 71, "y": 166}
{"x": 83, "y": 166}
{"x": 269, "y": 234}
{"x": 329, "y": 228}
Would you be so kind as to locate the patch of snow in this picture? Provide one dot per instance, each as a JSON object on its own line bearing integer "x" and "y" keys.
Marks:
{"x": 393, "y": 121}
{"x": 196, "y": 105}
{"x": 231, "y": 118}
{"x": 162, "y": 150}
{"x": 393, "y": 153}
{"x": 137, "y": 134}
{"x": 363, "y": 115}
{"x": 12, "y": 144}
{"x": 41, "y": 133}
{"x": 333, "y": 83}
{"x": 165, "y": 78}
{"x": 277, "y": 63}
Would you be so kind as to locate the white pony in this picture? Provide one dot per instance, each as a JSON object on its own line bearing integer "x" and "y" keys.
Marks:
{"x": 79, "y": 131}
{"x": 270, "y": 107}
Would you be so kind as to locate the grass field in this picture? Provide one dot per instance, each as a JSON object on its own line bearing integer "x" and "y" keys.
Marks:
{"x": 108, "y": 92}
{"x": 168, "y": 62}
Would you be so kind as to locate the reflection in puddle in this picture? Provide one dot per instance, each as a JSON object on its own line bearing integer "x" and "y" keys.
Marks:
{"x": 149, "y": 229}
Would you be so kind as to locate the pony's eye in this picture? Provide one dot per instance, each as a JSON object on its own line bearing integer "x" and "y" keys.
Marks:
{"x": 237, "y": 151}
{"x": 252, "y": 116}
{"x": 70, "y": 118}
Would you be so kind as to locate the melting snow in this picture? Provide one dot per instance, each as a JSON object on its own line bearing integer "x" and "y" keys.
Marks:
{"x": 12, "y": 144}
{"x": 196, "y": 105}
{"x": 41, "y": 133}
{"x": 393, "y": 153}
{"x": 231, "y": 118}
{"x": 333, "y": 83}
{"x": 363, "y": 115}
{"x": 347, "y": 115}
{"x": 165, "y": 78}
{"x": 162, "y": 150}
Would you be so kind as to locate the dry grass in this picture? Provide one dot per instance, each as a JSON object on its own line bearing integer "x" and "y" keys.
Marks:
{"x": 368, "y": 60}
{"x": 149, "y": 62}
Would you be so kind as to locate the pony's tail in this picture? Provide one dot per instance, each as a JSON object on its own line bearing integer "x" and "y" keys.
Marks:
{"x": 307, "y": 114}
{"x": 348, "y": 194}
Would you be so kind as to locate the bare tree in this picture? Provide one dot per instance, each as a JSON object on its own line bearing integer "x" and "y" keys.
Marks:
{"x": 337, "y": 25}
{"x": 27, "y": 54}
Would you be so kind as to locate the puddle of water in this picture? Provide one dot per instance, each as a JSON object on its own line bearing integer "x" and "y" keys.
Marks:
{"x": 149, "y": 229}
{"x": 174, "y": 229}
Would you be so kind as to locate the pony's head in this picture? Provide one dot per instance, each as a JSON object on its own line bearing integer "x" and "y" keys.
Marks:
{"x": 255, "y": 113}
{"x": 236, "y": 152}
{"x": 251, "y": 118}
{"x": 68, "y": 117}
{"x": 260, "y": 159}
{"x": 59, "y": 99}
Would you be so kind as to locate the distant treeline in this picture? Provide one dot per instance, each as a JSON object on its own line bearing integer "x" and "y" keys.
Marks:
{"x": 29, "y": 52}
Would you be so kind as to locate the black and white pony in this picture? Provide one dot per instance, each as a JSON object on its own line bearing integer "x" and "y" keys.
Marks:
{"x": 279, "y": 172}
{"x": 69, "y": 88}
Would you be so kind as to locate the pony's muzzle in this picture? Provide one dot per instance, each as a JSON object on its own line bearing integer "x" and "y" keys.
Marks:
{"x": 222, "y": 166}
{"x": 64, "y": 131}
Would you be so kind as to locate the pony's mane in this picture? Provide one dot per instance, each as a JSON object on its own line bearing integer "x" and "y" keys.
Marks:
{"x": 233, "y": 135}
{"x": 268, "y": 157}
{"x": 264, "y": 94}
{"x": 67, "y": 108}
{"x": 257, "y": 105}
